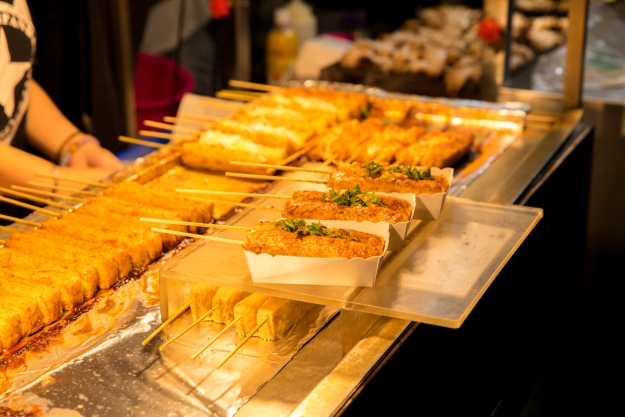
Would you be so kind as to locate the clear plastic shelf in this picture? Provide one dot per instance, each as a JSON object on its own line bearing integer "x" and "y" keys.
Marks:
{"x": 437, "y": 278}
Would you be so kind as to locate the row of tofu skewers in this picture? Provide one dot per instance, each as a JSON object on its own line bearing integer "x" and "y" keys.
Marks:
{"x": 322, "y": 123}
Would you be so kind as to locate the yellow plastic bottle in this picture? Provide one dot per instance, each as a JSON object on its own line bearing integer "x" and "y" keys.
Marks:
{"x": 282, "y": 47}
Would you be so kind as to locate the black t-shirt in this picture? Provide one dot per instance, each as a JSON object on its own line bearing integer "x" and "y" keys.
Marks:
{"x": 17, "y": 51}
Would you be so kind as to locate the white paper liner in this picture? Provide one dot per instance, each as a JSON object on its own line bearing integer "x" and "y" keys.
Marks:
{"x": 428, "y": 207}
{"x": 357, "y": 272}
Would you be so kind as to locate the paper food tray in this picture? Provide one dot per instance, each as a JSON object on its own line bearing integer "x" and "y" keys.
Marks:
{"x": 428, "y": 207}
{"x": 356, "y": 272}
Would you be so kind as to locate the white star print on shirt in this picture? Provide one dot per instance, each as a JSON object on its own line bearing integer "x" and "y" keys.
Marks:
{"x": 11, "y": 73}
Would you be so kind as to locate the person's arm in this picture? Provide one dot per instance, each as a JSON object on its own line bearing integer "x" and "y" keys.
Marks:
{"x": 48, "y": 130}
{"x": 18, "y": 167}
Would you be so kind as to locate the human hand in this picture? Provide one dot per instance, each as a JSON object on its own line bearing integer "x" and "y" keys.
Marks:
{"x": 88, "y": 174}
{"x": 91, "y": 155}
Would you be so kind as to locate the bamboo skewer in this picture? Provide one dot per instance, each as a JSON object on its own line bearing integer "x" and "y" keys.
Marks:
{"x": 57, "y": 187}
{"x": 162, "y": 135}
{"x": 255, "y": 195}
{"x": 202, "y": 117}
{"x": 233, "y": 95}
{"x": 48, "y": 194}
{"x": 280, "y": 167}
{"x": 172, "y": 127}
{"x": 214, "y": 338}
{"x": 181, "y": 120}
{"x": 37, "y": 199}
{"x": 173, "y": 339}
{"x": 238, "y": 346}
{"x": 145, "y": 142}
{"x": 8, "y": 229}
{"x": 254, "y": 86}
{"x": 166, "y": 322}
{"x": 18, "y": 220}
{"x": 76, "y": 180}
{"x": 30, "y": 207}
{"x": 294, "y": 156}
{"x": 183, "y": 223}
{"x": 234, "y": 203}
{"x": 245, "y": 92}
{"x": 274, "y": 178}
{"x": 217, "y": 239}
{"x": 215, "y": 103}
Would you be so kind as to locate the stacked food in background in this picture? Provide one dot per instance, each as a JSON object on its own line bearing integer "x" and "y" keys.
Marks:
{"x": 535, "y": 35}
{"x": 442, "y": 43}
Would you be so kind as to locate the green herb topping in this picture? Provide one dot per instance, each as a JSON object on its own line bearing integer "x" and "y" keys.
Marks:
{"x": 299, "y": 227}
{"x": 353, "y": 197}
{"x": 375, "y": 170}
{"x": 412, "y": 172}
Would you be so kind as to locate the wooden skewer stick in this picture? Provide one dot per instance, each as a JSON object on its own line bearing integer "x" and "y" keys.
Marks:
{"x": 8, "y": 229}
{"x": 274, "y": 178}
{"x": 203, "y": 117}
{"x": 214, "y": 338}
{"x": 235, "y": 96}
{"x": 183, "y": 223}
{"x": 216, "y": 103}
{"x": 163, "y": 135}
{"x": 76, "y": 180}
{"x": 254, "y": 86}
{"x": 328, "y": 161}
{"x": 48, "y": 194}
{"x": 30, "y": 207}
{"x": 57, "y": 187}
{"x": 216, "y": 239}
{"x": 166, "y": 322}
{"x": 234, "y": 203}
{"x": 173, "y": 339}
{"x": 220, "y": 364}
{"x": 283, "y": 197}
{"x": 280, "y": 167}
{"x": 181, "y": 120}
{"x": 145, "y": 142}
{"x": 18, "y": 220}
{"x": 171, "y": 127}
{"x": 37, "y": 199}
{"x": 294, "y": 156}
{"x": 245, "y": 92}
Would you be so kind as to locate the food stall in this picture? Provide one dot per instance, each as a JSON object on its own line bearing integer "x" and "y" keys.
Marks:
{"x": 92, "y": 361}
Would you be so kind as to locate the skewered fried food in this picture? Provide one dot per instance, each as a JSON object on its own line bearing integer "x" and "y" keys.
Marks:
{"x": 107, "y": 274}
{"x": 247, "y": 310}
{"x": 10, "y": 326}
{"x": 121, "y": 206}
{"x": 354, "y": 103}
{"x": 350, "y": 205}
{"x": 263, "y": 133}
{"x": 181, "y": 177}
{"x": 29, "y": 317}
{"x": 142, "y": 239}
{"x": 296, "y": 238}
{"x": 48, "y": 298}
{"x": 226, "y": 299}
{"x": 214, "y": 150}
{"x": 202, "y": 296}
{"x": 332, "y": 144}
{"x": 384, "y": 144}
{"x": 387, "y": 178}
{"x": 437, "y": 149}
{"x": 70, "y": 234}
{"x": 191, "y": 210}
{"x": 282, "y": 314}
{"x": 88, "y": 280}
{"x": 71, "y": 290}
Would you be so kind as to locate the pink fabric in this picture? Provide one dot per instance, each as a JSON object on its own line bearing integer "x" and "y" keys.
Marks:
{"x": 155, "y": 95}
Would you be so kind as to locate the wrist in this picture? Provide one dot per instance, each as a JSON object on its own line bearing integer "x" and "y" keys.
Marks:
{"x": 73, "y": 144}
